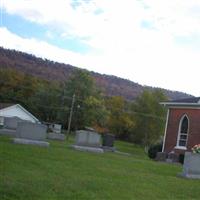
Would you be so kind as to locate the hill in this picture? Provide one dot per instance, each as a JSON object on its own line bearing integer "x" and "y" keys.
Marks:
{"x": 54, "y": 71}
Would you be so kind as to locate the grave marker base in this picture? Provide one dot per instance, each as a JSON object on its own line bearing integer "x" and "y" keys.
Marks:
{"x": 89, "y": 149}
{"x": 56, "y": 136}
{"x": 30, "y": 142}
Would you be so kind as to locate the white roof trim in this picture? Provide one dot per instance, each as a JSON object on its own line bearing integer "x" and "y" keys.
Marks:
{"x": 179, "y": 104}
{"x": 26, "y": 111}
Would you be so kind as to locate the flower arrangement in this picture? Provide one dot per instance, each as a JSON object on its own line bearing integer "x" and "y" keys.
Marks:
{"x": 196, "y": 148}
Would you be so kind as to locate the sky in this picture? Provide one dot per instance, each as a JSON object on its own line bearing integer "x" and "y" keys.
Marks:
{"x": 151, "y": 42}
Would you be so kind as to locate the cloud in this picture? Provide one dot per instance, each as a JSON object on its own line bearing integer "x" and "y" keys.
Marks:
{"x": 79, "y": 18}
{"x": 159, "y": 67}
{"x": 130, "y": 38}
{"x": 38, "y": 48}
{"x": 121, "y": 26}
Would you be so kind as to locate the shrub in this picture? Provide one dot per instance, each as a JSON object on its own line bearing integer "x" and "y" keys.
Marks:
{"x": 181, "y": 158}
{"x": 153, "y": 150}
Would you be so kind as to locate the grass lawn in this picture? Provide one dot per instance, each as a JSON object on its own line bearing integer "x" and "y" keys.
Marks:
{"x": 58, "y": 172}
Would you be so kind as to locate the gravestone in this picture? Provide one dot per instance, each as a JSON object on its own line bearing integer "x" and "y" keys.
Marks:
{"x": 94, "y": 139}
{"x": 88, "y": 138}
{"x": 88, "y": 141}
{"x": 31, "y": 133}
{"x": 108, "y": 142}
{"x": 57, "y": 128}
{"x": 191, "y": 166}
{"x": 172, "y": 157}
{"x": 11, "y": 122}
{"x": 10, "y": 126}
{"x": 81, "y": 138}
{"x": 161, "y": 156}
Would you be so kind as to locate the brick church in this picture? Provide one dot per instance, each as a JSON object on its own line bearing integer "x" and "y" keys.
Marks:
{"x": 182, "y": 129}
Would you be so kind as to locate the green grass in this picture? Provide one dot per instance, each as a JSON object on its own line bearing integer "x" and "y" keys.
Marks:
{"x": 58, "y": 172}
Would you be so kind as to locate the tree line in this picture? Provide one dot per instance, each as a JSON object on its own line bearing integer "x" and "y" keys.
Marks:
{"x": 140, "y": 121}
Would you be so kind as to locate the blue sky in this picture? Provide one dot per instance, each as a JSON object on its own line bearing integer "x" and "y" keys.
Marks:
{"x": 26, "y": 29}
{"x": 151, "y": 42}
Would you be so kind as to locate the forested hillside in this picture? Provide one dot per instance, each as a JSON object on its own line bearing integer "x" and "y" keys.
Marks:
{"x": 51, "y": 101}
{"x": 53, "y": 71}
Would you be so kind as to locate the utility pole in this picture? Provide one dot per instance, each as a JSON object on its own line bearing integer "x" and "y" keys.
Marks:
{"x": 70, "y": 116}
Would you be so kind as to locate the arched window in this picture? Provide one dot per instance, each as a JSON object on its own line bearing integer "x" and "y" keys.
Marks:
{"x": 183, "y": 131}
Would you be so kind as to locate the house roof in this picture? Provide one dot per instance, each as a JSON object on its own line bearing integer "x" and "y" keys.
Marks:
{"x": 5, "y": 106}
{"x": 191, "y": 102}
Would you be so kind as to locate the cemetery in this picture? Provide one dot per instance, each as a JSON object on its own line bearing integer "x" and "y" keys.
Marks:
{"x": 89, "y": 140}
{"x": 25, "y": 132}
{"x": 82, "y": 173}
{"x": 59, "y": 172}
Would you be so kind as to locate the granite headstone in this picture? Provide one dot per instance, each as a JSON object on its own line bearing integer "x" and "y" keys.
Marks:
{"x": 191, "y": 166}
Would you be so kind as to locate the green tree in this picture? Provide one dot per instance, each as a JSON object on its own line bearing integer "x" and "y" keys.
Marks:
{"x": 45, "y": 103}
{"x": 95, "y": 114}
{"x": 87, "y": 109}
{"x": 120, "y": 121}
{"x": 149, "y": 116}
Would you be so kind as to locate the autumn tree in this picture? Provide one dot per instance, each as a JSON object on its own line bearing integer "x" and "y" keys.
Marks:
{"x": 16, "y": 87}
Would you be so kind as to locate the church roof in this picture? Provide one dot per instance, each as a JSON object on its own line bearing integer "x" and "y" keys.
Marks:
{"x": 186, "y": 102}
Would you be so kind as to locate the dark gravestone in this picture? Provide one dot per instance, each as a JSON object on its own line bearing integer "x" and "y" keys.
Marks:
{"x": 172, "y": 157}
{"x": 161, "y": 156}
{"x": 108, "y": 140}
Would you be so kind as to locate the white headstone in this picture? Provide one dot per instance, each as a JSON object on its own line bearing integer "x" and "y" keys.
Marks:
{"x": 88, "y": 138}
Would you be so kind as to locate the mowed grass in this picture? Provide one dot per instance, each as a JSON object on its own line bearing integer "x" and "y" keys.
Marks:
{"x": 59, "y": 172}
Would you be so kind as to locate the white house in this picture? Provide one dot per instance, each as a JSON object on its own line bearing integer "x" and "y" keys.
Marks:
{"x": 15, "y": 110}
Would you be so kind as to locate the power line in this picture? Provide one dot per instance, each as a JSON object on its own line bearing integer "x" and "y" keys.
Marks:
{"x": 81, "y": 100}
{"x": 147, "y": 115}
{"x": 63, "y": 108}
